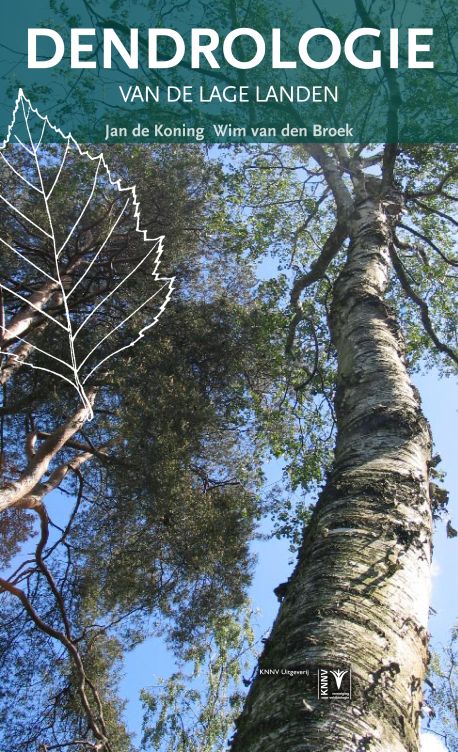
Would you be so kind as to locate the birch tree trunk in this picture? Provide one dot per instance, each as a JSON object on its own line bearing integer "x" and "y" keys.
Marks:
{"x": 359, "y": 595}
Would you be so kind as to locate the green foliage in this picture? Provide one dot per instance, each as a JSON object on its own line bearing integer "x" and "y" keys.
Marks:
{"x": 428, "y": 250}
{"x": 159, "y": 539}
{"x": 194, "y": 709}
{"x": 158, "y": 542}
{"x": 442, "y": 693}
{"x": 16, "y": 527}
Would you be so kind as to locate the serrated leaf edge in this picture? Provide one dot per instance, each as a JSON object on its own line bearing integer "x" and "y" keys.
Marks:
{"x": 22, "y": 99}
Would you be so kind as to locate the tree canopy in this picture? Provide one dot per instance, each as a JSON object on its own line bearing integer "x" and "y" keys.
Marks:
{"x": 161, "y": 491}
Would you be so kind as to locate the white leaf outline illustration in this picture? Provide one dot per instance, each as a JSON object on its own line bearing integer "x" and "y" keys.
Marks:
{"x": 156, "y": 246}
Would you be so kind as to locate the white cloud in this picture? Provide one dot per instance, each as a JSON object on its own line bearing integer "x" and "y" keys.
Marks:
{"x": 431, "y": 743}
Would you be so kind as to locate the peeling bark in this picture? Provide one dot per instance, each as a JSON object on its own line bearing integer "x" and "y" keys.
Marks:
{"x": 14, "y": 493}
{"x": 23, "y": 320}
{"x": 359, "y": 595}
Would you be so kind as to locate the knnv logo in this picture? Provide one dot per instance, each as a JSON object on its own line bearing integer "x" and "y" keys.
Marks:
{"x": 334, "y": 684}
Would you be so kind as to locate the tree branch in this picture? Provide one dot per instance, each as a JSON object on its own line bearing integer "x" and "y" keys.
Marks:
{"x": 15, "y": 360}
{"x": 438, "y": 189}
{"x": 439, "y": 213}
{"x": 80, "y": 446}
{"x": 76, "y": 507}
{"x": 422, "y": 305}
{"x": 40, "y": 461}
{"x": 99, "y": 733}
{"x": 317, "y": 271}
{"x": 34, "y": 499}
{"x": 390, "y": 150}
{"x": 429, "y": 242}
{"x": 331, "y": 172}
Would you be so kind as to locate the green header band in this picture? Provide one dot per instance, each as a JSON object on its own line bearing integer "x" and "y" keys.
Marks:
{"x": 227, "y": 72}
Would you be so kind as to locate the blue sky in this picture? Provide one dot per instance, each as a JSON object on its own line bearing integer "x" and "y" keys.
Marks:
{"x": 275, "y": 562}
{"x": 440, "y": 404}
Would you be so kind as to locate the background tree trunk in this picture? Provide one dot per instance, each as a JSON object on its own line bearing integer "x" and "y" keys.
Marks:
{"x": 359, "y": 595}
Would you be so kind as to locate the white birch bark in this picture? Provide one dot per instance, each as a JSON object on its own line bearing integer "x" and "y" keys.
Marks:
{"x": 360, "y": 593}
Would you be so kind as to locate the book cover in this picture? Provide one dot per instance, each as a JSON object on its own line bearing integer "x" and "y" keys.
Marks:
{"x": 228, "y": 351}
